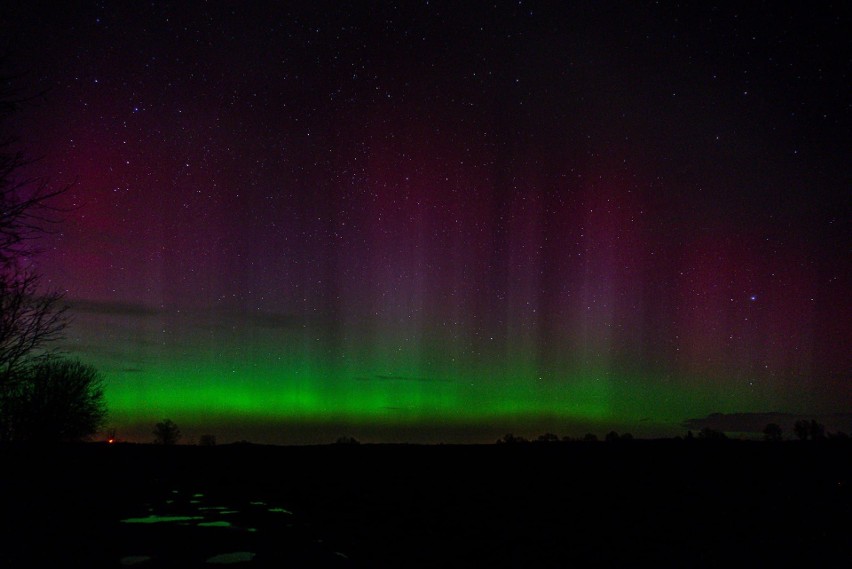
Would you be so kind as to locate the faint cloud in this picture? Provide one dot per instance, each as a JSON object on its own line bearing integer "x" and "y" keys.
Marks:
{"x": 111, "y": 307}
{"x": 227, "y": 318}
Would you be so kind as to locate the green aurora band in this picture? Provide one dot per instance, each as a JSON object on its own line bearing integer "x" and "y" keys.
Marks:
{"x": 207, "y": 386}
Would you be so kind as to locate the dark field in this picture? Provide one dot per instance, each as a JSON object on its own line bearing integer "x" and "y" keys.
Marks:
{"x": 645, "y": 503}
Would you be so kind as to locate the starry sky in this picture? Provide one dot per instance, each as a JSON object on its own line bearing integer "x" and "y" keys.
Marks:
{"x": 445, "y": 221}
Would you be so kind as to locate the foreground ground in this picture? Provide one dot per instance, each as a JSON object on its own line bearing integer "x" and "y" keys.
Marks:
{"x": 648, "y": 503}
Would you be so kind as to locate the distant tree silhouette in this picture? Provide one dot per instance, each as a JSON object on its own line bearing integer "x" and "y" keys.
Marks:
{"x": 347, "y": 441}
{"x": 166, "y": 432}
{"x": 626, "y": 437}
{"x": 509, "y": 438}
{"x": 56, "y": 399}
{"x": 611, "y": 437}
{"x": 590, "y": 438}
{"x": 812, "y": 430}
{"x": 547, "y": 438}
{"x": 772, "y": 433}
{"x": 207, "y": 441}
{"x": 817, "y": 431}
{"x": 708, "y": 434}
{"x": 802, "y": 428}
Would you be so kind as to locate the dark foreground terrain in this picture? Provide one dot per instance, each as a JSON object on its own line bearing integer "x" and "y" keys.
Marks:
{"x": 644, "y": 503}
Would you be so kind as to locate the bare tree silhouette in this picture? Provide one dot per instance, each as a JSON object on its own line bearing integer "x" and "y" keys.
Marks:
{"x": 30, "y": 317}
{"x": 29, "y": 322}
{"x": 42, "y": 396}
{"x": 26, "y": 201}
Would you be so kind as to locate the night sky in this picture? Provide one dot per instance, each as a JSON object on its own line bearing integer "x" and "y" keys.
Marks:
{"x": 435, "y": 221}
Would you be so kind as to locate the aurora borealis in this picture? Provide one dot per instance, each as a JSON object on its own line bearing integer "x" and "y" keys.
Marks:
{"x": 435, "y": 221}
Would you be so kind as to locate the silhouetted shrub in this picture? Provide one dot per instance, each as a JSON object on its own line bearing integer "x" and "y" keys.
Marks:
{"x": 611, "y": 437}
{"x": 347, "y": 441}
{"x": 627, "y": 437}
{"x": 590, "y": 438}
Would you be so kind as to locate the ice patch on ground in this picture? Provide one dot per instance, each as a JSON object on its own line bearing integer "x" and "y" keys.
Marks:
{"x": 235, "y": 557}
{"x": 219, "y": 524}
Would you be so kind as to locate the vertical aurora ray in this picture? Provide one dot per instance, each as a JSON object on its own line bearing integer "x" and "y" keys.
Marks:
{"x": 529, "y": 218}
{"x": 407, "y": 335}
